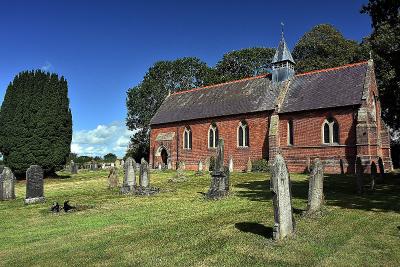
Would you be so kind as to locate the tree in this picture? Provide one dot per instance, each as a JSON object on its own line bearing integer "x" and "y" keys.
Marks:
{"x": 385, "y": 44}
{"x": 110, "y": 157}
{"x": 244, "y": 63}
{"x": 161, "y": 79}
{"x": 83, "y": 159}
{"x": 36, "y": 122}
{"x": 325, "y": 47}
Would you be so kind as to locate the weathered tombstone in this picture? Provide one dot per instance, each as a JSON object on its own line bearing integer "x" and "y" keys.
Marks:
{"x": 129, "y": 183}
{"x": 34, "y": 185}
{"x": 282, "y": 200}
{"x": 220, "y": 176}
{"x": 316, "y": 187}
{"x": 231, "y": 164}
{"x": 113, "y": 178}
{"x": 374, "y": 173}
{"x": 169, "y": 164}
{"x": 144, "y": 178}
{"x": 359, "y": 176}
{"x": 7, "y": 184}
{"x": 207, "y": 164}
{"x": 249, "y": 166}
{"x": 159, "y": 166}
{"x": 74, "y": 167}
{"x": 200, "y": 166}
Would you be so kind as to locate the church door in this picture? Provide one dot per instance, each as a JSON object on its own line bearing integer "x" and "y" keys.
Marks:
{"x": 164, "y": 156}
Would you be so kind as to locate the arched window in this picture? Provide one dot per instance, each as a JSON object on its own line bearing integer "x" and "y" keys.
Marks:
{"x": 187, "y": 138}
{"x": 330, "y": 131}
{"x": 213, "y": 136}
{"x": 243, "y": 134}
{"x": 290, "y": 133}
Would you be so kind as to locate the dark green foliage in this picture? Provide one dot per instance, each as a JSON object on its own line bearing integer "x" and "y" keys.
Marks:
{"x": 260, "y": 165}
{"x": 83, "y": 159}
{"x": 244, "y": 63}
{"x": 36, "y": 122}
{"x": 385, "y": 44}
{"x": 325, "y": 47}
{"x": 110, "y": 157}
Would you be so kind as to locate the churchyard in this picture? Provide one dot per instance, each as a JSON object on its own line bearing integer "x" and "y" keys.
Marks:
{"x": 180, "y": 227}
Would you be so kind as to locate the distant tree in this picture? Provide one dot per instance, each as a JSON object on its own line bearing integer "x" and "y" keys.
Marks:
{"x": 97, "y": 158}
{"x": 110, "y": 157}
{"x": 83, "y": 159}
{"x": 36, "y": 122}
{"x": 72, "y": 156}
{"x": 144, "y": 99}
{"x": 244, "y": 63}
{"x": 385, "y": 44}
{"x": 325, "y": 47}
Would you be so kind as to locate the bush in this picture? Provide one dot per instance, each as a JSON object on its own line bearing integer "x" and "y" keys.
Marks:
{"x": 260, "y": 165}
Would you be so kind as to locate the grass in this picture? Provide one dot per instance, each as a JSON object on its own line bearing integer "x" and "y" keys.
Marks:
{"x": 178, "y": 227}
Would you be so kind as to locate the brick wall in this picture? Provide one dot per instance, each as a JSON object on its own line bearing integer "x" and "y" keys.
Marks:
{"x": 227, "y": 127}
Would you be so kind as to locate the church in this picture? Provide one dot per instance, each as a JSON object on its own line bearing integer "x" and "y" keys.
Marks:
{"x": 333, "y": 114}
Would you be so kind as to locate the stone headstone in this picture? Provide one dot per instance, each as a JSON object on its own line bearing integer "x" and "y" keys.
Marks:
{"x": 207, "y": 164}
{"x": 282, "y": 200}
{"x": 200, "y": 166}
{"x": 249, "y": 166}
{"x": 34, "y": 185}
{"x": 74, "y": 167}
{"x": 316, "y": 187}
{"x": 374, "y": 172}
{"x": 7, "y": 184}
{"x": 230, "y": 164}
{"x": 144, "y": 178}
{"x": 113, "y": 178}
{"x": 169, "y": 164}
{"x": 220, "y": 176}
{"x": 129, "y": 183}
{"x": 159, "y": 166}
{"x": 359, "y": 176}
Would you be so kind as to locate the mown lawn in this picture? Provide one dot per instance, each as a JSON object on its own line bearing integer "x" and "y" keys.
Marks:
{"x": 178, "y": 227}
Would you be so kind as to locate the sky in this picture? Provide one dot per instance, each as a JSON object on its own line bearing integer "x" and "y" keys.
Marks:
{"x": 103, "y": 48}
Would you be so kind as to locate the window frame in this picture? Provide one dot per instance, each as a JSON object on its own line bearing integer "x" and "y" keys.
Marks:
{"x": 244, "y": 126}
{"x": 214, "y": 130}
{"x": 187, "y": 131}
{"x": 290, "y": 133}
{"x": 331, "y": 122}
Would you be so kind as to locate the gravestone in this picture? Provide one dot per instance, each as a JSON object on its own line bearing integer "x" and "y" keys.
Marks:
{"x": 231, "y": 164}
{"x": 34, "y": 185}
{"x": 359, "y": 176}
{"x": 180, "y": 174}
{"x": 374, "y": 172}
{"x": 169, "y": 164}
{"x": 144, "y": 178}
{"x": 113, "y": 178}
{"x": 129, "y": 183}
{"x": 159, "y": 166}
{"x": 282, "y": 200}
{"x": 220, "y": 176}
{"x": 316, "y": 187}
{"x": 74, "y": 167}
{"x": 207, "y": 164}
{"x": 7, "y": 184}
{"x": 200, "y": 166}
{"x": 249, "y": 166}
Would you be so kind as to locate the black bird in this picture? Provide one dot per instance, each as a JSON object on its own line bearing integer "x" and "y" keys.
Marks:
{"x": 55, "y": 207}
{"x": 67, "y": 207}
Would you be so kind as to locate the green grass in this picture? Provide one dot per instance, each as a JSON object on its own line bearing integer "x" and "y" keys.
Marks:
{"x": 178, "y": 227}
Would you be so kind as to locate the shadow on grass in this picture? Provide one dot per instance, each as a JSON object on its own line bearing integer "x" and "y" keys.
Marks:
{"x": 339, "y": 190}
{"x": 255, "y": 228}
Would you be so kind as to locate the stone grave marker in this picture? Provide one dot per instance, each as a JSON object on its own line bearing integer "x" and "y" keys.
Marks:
{"x": 220, "y": 176}
{"x": 144, "y": 178}
{"x": 231, "y": 164}
{"x": 316, "y": 187}
{"x": 113, "y": 178}
{"x": 34, "y": 185}
{"x": 249, "y": 166}
{"x": 7, "y": 184}
{"x": 282, "y": 199}
{"x": 129, "y": 183}
{"x": 74, "y": 167}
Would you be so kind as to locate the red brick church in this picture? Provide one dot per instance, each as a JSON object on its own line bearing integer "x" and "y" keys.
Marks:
{"x": 333, "y": 114}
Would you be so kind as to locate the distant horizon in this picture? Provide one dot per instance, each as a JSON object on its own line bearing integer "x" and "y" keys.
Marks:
{"x": 104, "y": 48}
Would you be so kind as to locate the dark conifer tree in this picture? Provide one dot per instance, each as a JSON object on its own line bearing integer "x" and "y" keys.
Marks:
{"x": 36, "y": 122}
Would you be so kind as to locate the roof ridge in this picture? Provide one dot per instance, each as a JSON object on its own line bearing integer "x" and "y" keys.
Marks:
{"x": 225, "y": 83}
{"x": 334, "y": 68}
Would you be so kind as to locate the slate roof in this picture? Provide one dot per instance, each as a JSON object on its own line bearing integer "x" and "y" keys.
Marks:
{"x": 238, "y": 97}
{"x": 282, "y": 52}
{"x": 341, "y": 86}
{"x": 336, "y": 87}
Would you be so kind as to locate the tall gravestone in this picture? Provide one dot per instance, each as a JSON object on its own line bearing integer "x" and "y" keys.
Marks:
{"x": 7, "y": 184}
{"x": 231, "y": 164}
{"x": 220, "y": 176}
{"x": 129, "y": 183}
{"x": 249, "y": 166}
{"x": 282, "y": 200}
{"x": 34, "y": 185}
{"x": 359, "y": 176}
{"x": 200, "y": 166}
{"x": 316, "y": 187}
{"x": 74, "y": 167}
{"x": 144, "y": 178}
{"x": 113, "y": 178}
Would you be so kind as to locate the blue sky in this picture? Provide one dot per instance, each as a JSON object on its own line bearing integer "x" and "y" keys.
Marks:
{"x": 105, "y": 47}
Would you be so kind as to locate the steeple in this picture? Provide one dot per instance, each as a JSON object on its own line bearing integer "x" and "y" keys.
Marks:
{"x": 282, "y": 63}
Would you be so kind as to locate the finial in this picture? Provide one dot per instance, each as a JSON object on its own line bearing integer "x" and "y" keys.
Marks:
{"x": 282, "y": 25}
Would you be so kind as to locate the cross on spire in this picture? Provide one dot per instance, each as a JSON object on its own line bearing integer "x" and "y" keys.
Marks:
{"x": 282, "y": 26}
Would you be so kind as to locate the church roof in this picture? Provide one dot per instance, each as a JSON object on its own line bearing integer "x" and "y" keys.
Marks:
{"x": 238, "y": 97}
{"x": 335, "y": 87}
{"x": 282, "y": 52}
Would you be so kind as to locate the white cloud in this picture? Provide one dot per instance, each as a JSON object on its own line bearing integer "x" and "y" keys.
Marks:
{"x": 46, "y": 67}
{"x": 103, "y": 139}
